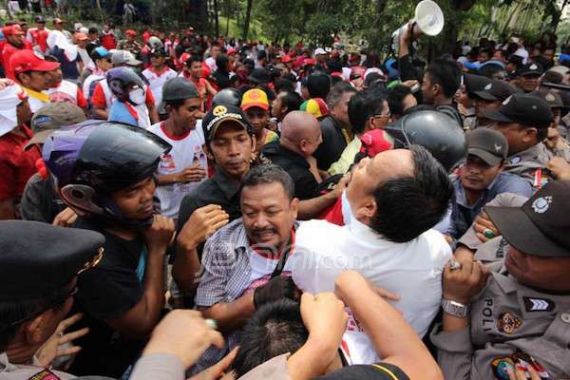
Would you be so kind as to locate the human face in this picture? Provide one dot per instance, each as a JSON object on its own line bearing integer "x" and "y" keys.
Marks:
{"x": 371, "y": 173}
{"x": 268, "y": 215}
{"x": 36, "y": 80}
{"x": 340, "y": 111}
{"x": 157, "y": 61}
{"x": 482, "y": 106}
{"x": 546, "y": 273}
{"x": 16, "y": 39}
{"x": 135, "y": 202}
{"x": 380, "y": 120}
{"x": 258, "y": 118}
{"x": 215, "y": 51}
{"x": 518, "y": 137}
{"x": 196, "y": 70}
{"x": 231, "y": 149}
{"x": 528, "y": 83}
{"x": 549, "y": 54}
{"x": 277, "y": 107}
{"x": 310, "y": 144}
{"x": 58, "y": 25}
{"x": 185, "y": 115}
{"x": 477, "y": 175}
{"x": 104, "y": 64}
{"x": 55, "y": 77}
{"x": 428, "y": 91}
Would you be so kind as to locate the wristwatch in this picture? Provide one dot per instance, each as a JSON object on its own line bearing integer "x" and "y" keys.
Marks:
{"x": 455, "y": 308}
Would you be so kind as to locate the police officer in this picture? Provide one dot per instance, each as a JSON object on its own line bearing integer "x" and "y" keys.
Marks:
{"x": 516, "y": 323}
{"x": 39, "y": 265}
{"x": 524, "y": 120}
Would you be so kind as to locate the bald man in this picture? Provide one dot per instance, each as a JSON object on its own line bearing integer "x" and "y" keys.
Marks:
{"x": 393, "y": 199}
{"x": 300, "y": 138}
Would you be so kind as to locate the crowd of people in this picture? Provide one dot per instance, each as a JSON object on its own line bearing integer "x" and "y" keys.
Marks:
{"x": 176, "y": 205}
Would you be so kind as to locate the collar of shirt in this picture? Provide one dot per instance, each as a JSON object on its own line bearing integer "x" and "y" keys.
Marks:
{"x": 229, "y": 186}
{"x": 158, "y": 73}
{"x": 460, "y": 197}
{"x": 42, "y": 96}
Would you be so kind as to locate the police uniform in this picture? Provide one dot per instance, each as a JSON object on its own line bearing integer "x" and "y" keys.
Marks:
{"x": 512, "y": 325}
{"x": 508, "y": 320}
{"x": 38, "y": 259}
{"x": 528, "y": 111}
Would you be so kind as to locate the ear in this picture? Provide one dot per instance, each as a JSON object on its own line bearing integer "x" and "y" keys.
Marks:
{"x": 208, "y": 152}
{"x": 436, "y": 88}
{"x": 366, "y": 210}
{"x": 530, "y": 134}
{"x": 295, "y": 207}
{"x": 33, "y": 329}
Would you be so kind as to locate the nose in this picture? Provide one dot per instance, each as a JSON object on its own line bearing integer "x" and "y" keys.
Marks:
{"x": 148, "y": 191}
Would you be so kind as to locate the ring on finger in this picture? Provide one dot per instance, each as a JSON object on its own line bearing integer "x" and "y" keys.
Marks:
{"x": 488, "y": 233}
{"x": 454, "y": 265}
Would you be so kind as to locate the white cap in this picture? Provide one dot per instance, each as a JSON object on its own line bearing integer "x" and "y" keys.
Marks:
{"x": 320, "y": 51}
{"x": 10, "y": 97}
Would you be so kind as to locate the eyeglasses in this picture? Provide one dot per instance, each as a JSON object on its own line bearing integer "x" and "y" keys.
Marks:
{"x": 382, "y": 116}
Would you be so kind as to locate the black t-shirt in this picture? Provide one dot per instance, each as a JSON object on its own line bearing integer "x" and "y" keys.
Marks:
{"x": 306, "y": 186}
{"x": 380, "y": 371}
{"x": 109, "y": 290}
{"x": 40, "y": 202}
{"x": 333, "y": 143}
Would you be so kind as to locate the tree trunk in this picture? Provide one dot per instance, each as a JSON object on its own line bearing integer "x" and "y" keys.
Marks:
{"x": 556, "y": 17}
{"x": 216, "y": 19}
{"x": 247, "y": 19}
{"x": 228, "y": 14}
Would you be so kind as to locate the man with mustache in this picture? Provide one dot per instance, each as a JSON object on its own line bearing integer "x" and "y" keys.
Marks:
{"x": 245, "y": 264}
{"x": 482, "y": 178}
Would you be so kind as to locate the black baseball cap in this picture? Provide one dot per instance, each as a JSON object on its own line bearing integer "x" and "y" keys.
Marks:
{"x": 540, "y": 227}
{"x": 531, "y": 69}
{"x": 221, "y": 114}
{"x": 550, "y": 96}
{"x": 525, "y": 109}
{"x": 381, "y": 371}
{"x": 496, "y": 90}
{"x": 489, "y": 145}
{"x": 474, "y": 83}
{"x": 37, "y": 259}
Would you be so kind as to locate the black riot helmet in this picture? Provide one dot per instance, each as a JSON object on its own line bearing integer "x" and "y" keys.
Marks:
{"x": 441, "y": 135}
{"x": 227, "y": 97}
{"x": 94, "y": 159}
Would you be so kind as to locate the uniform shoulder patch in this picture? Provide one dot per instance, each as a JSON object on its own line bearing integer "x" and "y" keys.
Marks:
{"x": 532, "y": 304}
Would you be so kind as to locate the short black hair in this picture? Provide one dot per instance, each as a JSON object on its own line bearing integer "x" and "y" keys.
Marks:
{"x": 363, "y": 106}
{"x": 292, "y": 100}
{"x": 269, "y": 173}
{"x": 283, "y": 84}
{"x": 276, "y": 328}
{"x": 408, "y": 206}
{"x": 490, "y": 70}
{"x": 445, "y": 73}
{"x": 92, "y": 30}
{"x": 319, "y": 84}
{"x": 15, "y": 313}
{"x": 193, "y": 58}
{"x": 337, "y": 91}
{"x": 396, "y": 99}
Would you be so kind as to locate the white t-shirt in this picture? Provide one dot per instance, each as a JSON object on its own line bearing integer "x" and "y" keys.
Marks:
{"x": 262, "y": 268}
{"x": 186, "y": 151}
{"x": 412, "y": 270}
{"x": 211, "y": 62}
{"x": 156, "y": 81}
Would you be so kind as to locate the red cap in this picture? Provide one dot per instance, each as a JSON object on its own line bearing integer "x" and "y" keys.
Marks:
{"x": 12, "y": 30}
{"x": 286, "y": 59}
{"x": 131, "y": 32}
{"x": 184, "y": 57}
{"x": 309, "y": 61}
{"x": 375, "y": 141}
{"x": 81, "y": 36}
{"x": 28, "y": 60}
{"x": 231, "y": 51}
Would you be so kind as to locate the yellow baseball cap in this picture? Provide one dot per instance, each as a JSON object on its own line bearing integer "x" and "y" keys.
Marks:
{"x": 255, "y": 98}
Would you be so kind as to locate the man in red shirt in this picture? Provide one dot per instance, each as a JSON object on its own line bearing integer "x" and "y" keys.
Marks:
{"x": 16, "y": 164}
{"x": 14, "y": 41}
{"x": 38, "y": 36}
{"x": 193, "y": 72}
{"x": 108, "y": 39}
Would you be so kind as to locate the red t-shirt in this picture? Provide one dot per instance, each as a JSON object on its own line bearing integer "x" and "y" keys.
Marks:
{"x": 108, "y": 41}
{"x": 7, "y": 52}
{"x": 99, "y": 101}
{"x": 39, "y": 37}
{"x": 16, "y": 164}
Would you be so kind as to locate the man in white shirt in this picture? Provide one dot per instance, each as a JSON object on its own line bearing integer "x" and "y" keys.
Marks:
{"x": 157, "y": 74}
{"x": 394, "y": 199}
{"x": 186, "y": 165}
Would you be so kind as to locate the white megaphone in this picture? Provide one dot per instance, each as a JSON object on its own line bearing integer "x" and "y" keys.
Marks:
{"x": 428, "y": 20}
